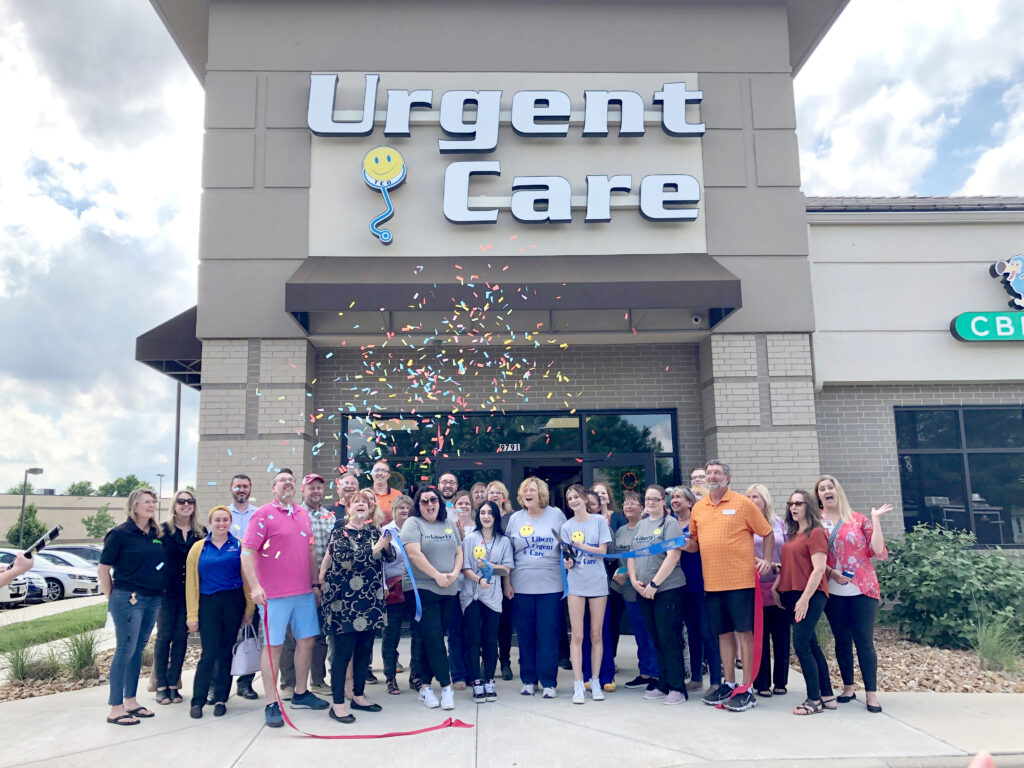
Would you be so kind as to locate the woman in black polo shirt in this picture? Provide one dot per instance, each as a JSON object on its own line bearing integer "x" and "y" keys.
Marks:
{"x": 135, "y": 553}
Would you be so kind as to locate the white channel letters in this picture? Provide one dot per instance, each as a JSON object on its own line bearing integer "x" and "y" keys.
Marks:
{"x": 470, "y": 121}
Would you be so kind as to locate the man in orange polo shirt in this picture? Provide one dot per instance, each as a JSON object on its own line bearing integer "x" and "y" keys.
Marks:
{"x": 722, "y": 528}
{"x": 386, "y": 495}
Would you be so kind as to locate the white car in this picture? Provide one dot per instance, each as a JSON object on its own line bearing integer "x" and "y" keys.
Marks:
{"x": 14, "y": 594}
{"x": 62, "y": 580}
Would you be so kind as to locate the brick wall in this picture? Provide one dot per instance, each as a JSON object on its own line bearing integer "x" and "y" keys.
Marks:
{"x": 857, "y": 434}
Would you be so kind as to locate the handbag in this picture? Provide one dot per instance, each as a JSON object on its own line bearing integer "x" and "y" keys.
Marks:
{"x": 247, "y": 653}
{"x": 395, "y": 594}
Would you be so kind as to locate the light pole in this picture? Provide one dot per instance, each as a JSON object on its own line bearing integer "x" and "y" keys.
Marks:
{"x": 159, "y": 496}
{"x": 24, "y": 489}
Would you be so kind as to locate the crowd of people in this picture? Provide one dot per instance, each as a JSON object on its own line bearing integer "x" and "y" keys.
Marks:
{"x": 695, "y": 569}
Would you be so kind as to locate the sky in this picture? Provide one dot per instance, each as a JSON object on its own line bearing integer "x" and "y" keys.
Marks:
{"x": 100, "y": 153}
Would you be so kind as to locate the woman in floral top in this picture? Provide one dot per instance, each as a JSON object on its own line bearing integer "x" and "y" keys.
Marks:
{"x": 853, "y": 585}
{"x": 353, "y": 600}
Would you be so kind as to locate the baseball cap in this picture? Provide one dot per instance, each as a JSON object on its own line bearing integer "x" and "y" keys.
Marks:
{"x": 310, "y": 478}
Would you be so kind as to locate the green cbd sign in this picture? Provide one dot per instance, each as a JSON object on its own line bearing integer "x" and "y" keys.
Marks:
{"x": 988, "y": 326}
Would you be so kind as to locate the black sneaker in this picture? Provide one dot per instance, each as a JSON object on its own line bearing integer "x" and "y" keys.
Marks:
{"x": 652, "y": 684}
{"x": 718, "y": 695}
{"x": 479, "y": 696}
{"x": 248, "y": 693}
{"x": 219, "y": 710}
{"x": 371, "y": 678}
{"x": 638, "y": 682}
{"x": 565, "y": 664}
{"x": 506, "y": 671}
{"x": 741, "y": 702}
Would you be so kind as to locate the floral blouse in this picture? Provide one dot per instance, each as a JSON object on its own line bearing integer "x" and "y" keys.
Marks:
{"x": 353, "y": 598}
{"x": 851, "y": 551}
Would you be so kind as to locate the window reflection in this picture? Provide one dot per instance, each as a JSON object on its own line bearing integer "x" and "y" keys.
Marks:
{"x": 933, "y": 490}
{"x": 927, "y": 429}
{"x": 630, "y": 433}
{"x": 997, "y": 497}
{"x": 994, "y": 428}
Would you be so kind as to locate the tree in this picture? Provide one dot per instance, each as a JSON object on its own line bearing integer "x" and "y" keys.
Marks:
{"x": 34, "y": 528}
{"x": 120, "y": 487}
{"x": 18, "y": 488}
{"x": 97, "y": 525}
{"x": 81, "y": 488}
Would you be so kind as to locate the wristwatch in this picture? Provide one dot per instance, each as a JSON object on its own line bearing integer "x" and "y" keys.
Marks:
{"x": 652, "y": 584}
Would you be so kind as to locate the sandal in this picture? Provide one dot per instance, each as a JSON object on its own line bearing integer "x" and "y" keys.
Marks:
{"x": 125, "y": 719}
{"x": 393, "y": 688}
{"x": 163, "y": 696}
{"x": 175, "y": 696}
{"x": 765, "y": 694}
{"x": 829, "y": 703}
{"x": 140, "y": 712}
{"x": 779, "y": 690}
{"x": 809, "y": 708}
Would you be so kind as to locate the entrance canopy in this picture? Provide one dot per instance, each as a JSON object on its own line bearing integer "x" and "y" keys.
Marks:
{"x": 172, "y": 348}
{"x": 591, "y": 294}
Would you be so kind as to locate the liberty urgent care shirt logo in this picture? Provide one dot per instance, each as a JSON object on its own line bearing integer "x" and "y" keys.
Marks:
{"x": 663, "y": 197}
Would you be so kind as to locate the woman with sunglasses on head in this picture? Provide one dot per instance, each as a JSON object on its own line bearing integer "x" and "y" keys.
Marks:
{"x": 399, "y": 610}
{"x": 217, "y": 604}
{"x": 659, "y": 583}
{"x": 853, "y": 585}
{"x": 775, "y": 622}
{"x": 353, "y": 599}
{"x": 588, "y": 587}
{"x": 498, "y": 493}
{"x": 802, "y": 590}
{"x": 487, "y": 560}
{"x": 180, "y": 534}
{"x": 435, "y": 551}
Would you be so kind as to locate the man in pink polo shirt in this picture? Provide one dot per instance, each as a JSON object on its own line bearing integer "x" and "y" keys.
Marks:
{"x": 278, "y": 563}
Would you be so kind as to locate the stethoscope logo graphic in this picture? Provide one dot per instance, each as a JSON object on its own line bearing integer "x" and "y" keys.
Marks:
{"x": 383, "y": 169}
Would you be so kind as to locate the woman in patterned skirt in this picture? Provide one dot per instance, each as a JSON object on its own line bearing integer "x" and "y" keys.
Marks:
{"x": 353, "y": 603}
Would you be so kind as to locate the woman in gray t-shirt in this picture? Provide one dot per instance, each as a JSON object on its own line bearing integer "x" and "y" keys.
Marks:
{"x": 435, "y": 551}
{"x": 536, "y": 585}
{"x": 588, "y": 586}
{"x": 658, "y": 582}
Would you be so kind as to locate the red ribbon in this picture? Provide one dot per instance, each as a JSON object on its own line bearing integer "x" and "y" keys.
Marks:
{"x": 449, "y": 723}
{"x": 758, "y": 640}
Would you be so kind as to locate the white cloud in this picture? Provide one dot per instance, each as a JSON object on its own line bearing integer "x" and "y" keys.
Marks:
{"x": 886, "y": 85}
{"x": 1000, "y": 170}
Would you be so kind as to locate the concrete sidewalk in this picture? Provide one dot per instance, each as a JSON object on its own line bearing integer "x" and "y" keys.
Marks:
{"x": 919, "y": 729}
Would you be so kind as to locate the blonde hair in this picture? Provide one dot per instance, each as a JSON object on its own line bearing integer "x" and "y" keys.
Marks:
{"x": 193, "y": 520}
{"x": 769, "y": 512}
{"x": 845, "y": 511}
{"x": 542, "y": 490}
{"x": 133, "y": 499}
{"x": 608, "y": 489}
{"x": 209, "y": 515}
{"x": 376, "y": 513}
{"x": 506, "y": 505}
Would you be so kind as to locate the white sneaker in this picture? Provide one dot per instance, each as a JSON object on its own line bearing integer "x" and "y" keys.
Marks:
{"x": 596, "y": 692}
{"x": 447, "y": 697}
{"x": 489, "y": 693}
{"x": 579, "y": 693}
{"x": 428, "y": 698}
{"x": 550, "y": 693}
{"x": 528, "y": 689}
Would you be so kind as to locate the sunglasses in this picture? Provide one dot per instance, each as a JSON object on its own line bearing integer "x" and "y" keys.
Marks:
{"x": 796, "y": 504}
{"x": 185, "y": 501}
{"x": 432, "y": 500}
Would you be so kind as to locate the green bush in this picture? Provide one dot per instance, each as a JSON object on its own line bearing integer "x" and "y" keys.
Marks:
{"x": 23, "y": 665}
{"x": 80, "y": 652}
{"x": 997, "y": 644}
{"x": 941, "y": 587}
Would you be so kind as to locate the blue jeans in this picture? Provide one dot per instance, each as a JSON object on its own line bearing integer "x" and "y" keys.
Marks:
{"x": 646, "y": 653}
{"x": 133, "y": 625}
{"x": 537, "y": 625}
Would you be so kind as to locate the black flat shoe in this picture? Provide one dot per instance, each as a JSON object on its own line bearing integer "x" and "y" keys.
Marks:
{"x": 219, "y": 710}
{"x": 347, "y": 719}
{"x": 846, "y": 699}
{"x": 367, "y": 708}
{"x": 195, "y": 712}
{"x": 874, "y": 708}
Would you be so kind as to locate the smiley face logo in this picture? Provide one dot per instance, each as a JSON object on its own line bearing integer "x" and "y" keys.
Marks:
{"x": 577, "y": 537}
{"x": 526, "y": 530}
{"x": 479, "y": 552}
{"x": 448, "y": 531}
{"x": 657, "y": 531}
{"x": 383, "y": 169}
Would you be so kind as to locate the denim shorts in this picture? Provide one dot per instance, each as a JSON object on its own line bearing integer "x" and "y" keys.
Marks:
{"x": 298, "y": 611}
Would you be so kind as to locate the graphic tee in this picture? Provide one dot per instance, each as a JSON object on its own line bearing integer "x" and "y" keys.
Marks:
{"x": 588, "y": 577}
{"x": 538, "y": 562}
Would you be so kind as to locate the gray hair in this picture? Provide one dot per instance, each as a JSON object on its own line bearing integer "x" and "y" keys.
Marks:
{"x": 717, "y": 463}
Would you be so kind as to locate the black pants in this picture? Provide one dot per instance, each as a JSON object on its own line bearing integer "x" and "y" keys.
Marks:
{"x": 505, "y": 625}
{"x": 220, "y": 616}
{"x": 663, "y": 619}
{"x": 852, "y": 620}
{"x": 244, "y": 682}
{"x": 480, "y": 636}
{"x": 429, "y": 635}
{"x": 805, "y": 643}
{"x": 357, "y": 646}
{"x": 171, "y": 639}
{"x": 776, "y": 634}
{"x": 615, "y": 608}
{"x": 398, "y": 613}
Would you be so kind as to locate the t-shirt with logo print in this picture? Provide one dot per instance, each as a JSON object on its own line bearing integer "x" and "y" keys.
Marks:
{"x": 649, "y": 532}
{"x": 588, "y": 577}
{"x": 439, "y": 541}
{"x": 538, "y": 568}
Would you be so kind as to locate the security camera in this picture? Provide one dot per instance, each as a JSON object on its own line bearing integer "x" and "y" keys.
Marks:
{"x": 695, "y": 319}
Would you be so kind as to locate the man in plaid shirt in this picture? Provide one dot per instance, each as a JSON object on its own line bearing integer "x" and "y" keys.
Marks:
{"x": 321, "y": 520}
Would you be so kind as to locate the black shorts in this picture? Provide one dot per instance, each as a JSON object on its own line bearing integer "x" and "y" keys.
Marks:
{"x": 731, "y": 611}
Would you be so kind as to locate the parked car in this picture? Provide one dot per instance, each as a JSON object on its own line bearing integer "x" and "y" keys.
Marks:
{"x": 69, "y": 559}
{"x": 90, "y": 552}
{"x": 14, "y": 594}
{"x": 63, "y": 581}
{"x": 38, "y": 589}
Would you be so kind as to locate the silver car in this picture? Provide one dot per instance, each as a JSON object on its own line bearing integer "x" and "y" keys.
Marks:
{"x": 14, "y": 594}
{"x": 62, "y": 580}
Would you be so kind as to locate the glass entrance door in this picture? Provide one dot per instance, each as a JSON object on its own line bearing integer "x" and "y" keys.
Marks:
{"x": 622, "y": 472}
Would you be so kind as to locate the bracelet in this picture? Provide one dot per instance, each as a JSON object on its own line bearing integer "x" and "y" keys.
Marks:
{"x": 317, "y": 585}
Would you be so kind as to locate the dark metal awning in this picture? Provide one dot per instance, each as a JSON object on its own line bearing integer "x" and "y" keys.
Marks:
{"x": 173, "y": 349}
{"x": 562, "y": 285}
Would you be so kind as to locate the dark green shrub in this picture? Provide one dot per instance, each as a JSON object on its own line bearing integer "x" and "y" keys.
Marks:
{"x": 941, "y": 587}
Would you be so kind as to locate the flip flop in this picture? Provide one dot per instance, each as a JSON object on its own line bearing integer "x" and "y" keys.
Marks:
{"x": 126, "y": 719}
{"x": 765, "y": 694}
{"x": 140, "y": 712}
{"x": 779, "y": 690}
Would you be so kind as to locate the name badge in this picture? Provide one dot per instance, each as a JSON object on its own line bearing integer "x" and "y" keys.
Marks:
{"x": 728, "y": 511}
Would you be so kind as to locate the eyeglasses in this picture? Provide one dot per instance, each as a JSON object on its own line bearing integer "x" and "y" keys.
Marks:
{"x": 654, "y": 499}
{"x": 183, "y": 502}
{"x": 796, "y": 504}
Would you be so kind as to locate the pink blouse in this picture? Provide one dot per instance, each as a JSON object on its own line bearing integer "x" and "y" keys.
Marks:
{"x": 851, "y": 551}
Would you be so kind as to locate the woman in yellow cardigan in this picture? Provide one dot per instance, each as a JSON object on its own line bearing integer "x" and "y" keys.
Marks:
{"x": 216, "y": 604}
